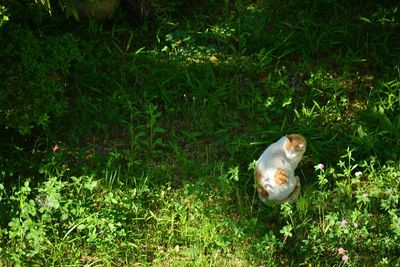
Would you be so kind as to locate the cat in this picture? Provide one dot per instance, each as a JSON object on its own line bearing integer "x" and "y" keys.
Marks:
{"x": 274, "y": 172}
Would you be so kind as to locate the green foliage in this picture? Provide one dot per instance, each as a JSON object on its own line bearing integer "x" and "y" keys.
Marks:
{"x": 362, "y": 227}
{"x": 3, "y": 16}
{"x": 60, "y": 214}
{"x": 35, "y": 72}
{"x": 379, "y": 124}
{"x": 134, "y": 141}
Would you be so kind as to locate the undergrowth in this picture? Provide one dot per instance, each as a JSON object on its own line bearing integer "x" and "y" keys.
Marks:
{"x": 133, "y": 141}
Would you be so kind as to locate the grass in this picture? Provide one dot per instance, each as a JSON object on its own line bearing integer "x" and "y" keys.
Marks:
{"x": 132, "y": 142}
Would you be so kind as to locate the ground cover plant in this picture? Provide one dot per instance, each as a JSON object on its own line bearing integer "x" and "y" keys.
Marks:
{"x": 132, "y": 141}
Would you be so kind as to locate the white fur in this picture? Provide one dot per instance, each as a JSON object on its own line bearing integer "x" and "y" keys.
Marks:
{"x": 275, "y": 157}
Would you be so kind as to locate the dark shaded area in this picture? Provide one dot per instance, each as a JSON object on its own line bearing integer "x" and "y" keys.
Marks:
{"x": 82, "y": 85}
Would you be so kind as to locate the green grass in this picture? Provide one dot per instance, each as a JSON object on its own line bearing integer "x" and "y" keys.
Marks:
{"x": 159, "y": 120}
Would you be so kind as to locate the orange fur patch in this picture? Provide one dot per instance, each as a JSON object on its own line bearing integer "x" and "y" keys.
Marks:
{"x": 281, "y": 176}
{"x": 260, "y": 190}
{"x": 294, "y": 141}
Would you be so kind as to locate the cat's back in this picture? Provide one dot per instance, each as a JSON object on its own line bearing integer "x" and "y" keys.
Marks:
{"x": 272, "y": 156}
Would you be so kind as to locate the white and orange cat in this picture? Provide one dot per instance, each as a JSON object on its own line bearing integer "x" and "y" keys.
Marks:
{"x": 274, "y": 172}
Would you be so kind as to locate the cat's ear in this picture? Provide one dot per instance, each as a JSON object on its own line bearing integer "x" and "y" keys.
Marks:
{"x": 288, "y": 142}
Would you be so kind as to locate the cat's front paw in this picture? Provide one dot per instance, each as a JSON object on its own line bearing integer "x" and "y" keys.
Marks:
{"x": 281, "y": 177}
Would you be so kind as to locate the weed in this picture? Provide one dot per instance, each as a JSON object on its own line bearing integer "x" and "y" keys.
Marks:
{"x": 133, "y": 141}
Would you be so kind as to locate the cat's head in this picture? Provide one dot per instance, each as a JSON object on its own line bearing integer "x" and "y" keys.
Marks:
{"x": 295, "y": 146}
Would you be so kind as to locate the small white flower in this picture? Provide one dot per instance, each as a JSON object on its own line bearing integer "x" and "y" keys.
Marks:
{"x": 319, "y": 166}
{"x": 357, "y": 174}
{"x": 342, "y": 251}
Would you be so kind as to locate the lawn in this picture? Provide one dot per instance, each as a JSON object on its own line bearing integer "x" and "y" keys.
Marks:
{"x": 132, "y": 141}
